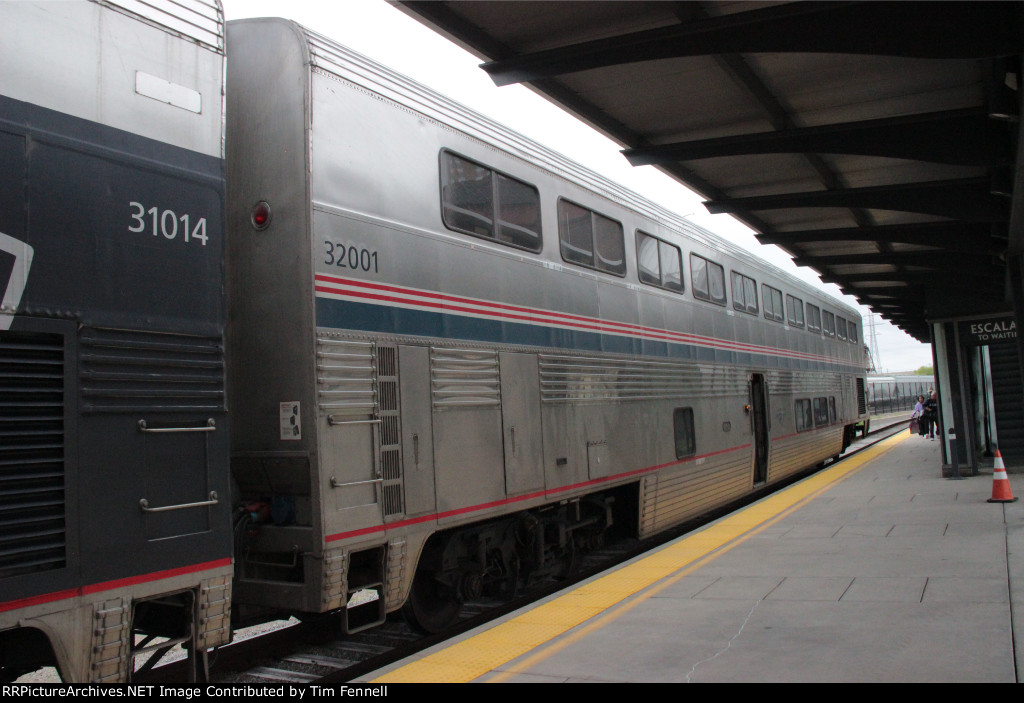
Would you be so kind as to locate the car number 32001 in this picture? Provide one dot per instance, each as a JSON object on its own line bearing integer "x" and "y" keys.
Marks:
{"x": 348, "y": 256}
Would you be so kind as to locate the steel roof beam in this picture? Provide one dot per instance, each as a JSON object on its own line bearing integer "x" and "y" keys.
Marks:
{"x": 890, "y": 293}
{"x": 952, "y": 236}
{"x": 909, "y": 29}
{"x": 965, "y": 199}
{"x": 911, "y": 278}
{"x": 928, "y": 259}
{"x": 961, "y": 137}
{"x": 779, "y": 114}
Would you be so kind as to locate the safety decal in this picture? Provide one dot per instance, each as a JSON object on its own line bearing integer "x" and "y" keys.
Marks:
{"x": 291, "y": 420}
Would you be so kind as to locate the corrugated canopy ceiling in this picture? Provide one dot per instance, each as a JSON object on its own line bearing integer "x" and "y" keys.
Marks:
{"x": 874, "y": 141}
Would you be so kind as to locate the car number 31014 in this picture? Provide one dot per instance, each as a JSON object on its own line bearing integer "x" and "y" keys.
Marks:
{"x": 167, "y": 223}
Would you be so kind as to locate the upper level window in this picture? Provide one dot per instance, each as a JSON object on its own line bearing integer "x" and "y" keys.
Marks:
{"x": 851, "y": 328}
{"x": 841, "y": 328}
{"x": 813, "y": 318}
{"x": 479, "y": 201}
{"x": 744, "y": 293}
{"x": 659, "y": 263}
{"x": 591, "y": 239}
{"x": 772, "y": 298}
{"x": 828, "y": 323}
{"x": 795, "y": 308}
{"x": 707, "y": 279}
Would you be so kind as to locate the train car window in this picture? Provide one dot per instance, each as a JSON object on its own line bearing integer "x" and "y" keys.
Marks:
{"x": 518, "y": 214}
{"x": 574, "y": 232}
{"x": 707, "y": 279}
{"x": 804, "y": 418}
{"x": 590, "y": 239}
{"x": 744, "y": 293}
{"x": 671, "y": 266}
{"x": 659, "y": 263}
{"x": 467, "y": 194}
{"x": 609, "y": 245}
{"x": 832, "y": 409}
{"x": 851, "y": 328}
{"x": 828, "y": 323}
{"x": 820, "y": 412}
{"x": 685, "y": 437}
{"x": 813, "y": 319}
{"x": 841, "y": 328}
{"x": 772, "y": 298}
{"x": 795, "y": 308}
{"x": 479, "y": 201}
{"x": 648, "y": 263}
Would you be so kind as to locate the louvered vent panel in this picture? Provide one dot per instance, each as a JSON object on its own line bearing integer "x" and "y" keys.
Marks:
{"x": 389, "y": 434}
{"x": 345, "y": 373}
{"x": 464, "y": 377}
{"x": 32, "y": 498}
{"x": 144, "y": 371}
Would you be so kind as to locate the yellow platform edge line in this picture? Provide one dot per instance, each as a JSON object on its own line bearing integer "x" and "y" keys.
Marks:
{"x": 492, "y": 648}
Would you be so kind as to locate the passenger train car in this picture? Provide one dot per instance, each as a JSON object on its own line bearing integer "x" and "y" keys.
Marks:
{"x": 454, "y": 359}
{"x": 894, "y": 393}
{"x": 457, "y": 359}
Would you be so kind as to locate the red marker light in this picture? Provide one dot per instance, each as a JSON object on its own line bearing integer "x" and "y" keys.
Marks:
{"x": 260, "y": 215}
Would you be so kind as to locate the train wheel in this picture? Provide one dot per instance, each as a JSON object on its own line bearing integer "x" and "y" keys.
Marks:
{"x": 432, "y": 605}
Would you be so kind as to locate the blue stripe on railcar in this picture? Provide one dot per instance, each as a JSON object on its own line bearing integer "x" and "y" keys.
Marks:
{"x": 391, "y": 320}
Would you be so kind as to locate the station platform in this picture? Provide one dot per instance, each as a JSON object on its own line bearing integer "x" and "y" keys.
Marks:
{"x": 876, "y": 569}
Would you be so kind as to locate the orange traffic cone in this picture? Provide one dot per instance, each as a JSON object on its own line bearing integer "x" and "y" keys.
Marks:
{"x": 1000, "y": 483}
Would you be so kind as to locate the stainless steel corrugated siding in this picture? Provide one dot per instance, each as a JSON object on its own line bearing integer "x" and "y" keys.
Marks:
{"x": 676, "y": 494}
{"x": 575, "y": 379}
{"x": 805, "y": 449}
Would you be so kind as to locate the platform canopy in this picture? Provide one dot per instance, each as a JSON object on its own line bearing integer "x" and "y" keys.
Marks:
{"x": 876, "y": 142}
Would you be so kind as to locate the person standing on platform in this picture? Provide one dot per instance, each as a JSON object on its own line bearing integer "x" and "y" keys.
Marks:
{"x": 931, "y": 413}
{"x": 919, "y": 415}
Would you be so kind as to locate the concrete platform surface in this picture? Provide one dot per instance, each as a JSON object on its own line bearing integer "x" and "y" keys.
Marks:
{"x": 875, "y": 570}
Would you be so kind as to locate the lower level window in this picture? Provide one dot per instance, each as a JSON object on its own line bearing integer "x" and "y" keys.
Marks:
{"x": 804, "y": 415}
{"x": 686, "y": 440}
{"x": 820, "y": 412}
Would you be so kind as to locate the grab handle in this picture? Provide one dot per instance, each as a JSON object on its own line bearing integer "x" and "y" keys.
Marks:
{"x": 144, "y": 504}
{"x": 211, "y": 426}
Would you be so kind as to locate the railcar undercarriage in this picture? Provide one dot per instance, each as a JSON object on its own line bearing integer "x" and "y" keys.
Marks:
{"x": 499, "y": 557}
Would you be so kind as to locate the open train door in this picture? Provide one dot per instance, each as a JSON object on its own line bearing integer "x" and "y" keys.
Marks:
{"x": 759, "y": 420}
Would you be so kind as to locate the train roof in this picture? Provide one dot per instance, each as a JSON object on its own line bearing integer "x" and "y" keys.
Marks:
{"x": 329, "y": 57}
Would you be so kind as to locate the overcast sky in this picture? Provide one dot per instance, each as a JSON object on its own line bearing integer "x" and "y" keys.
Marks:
{"x": 386, "y": 35}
